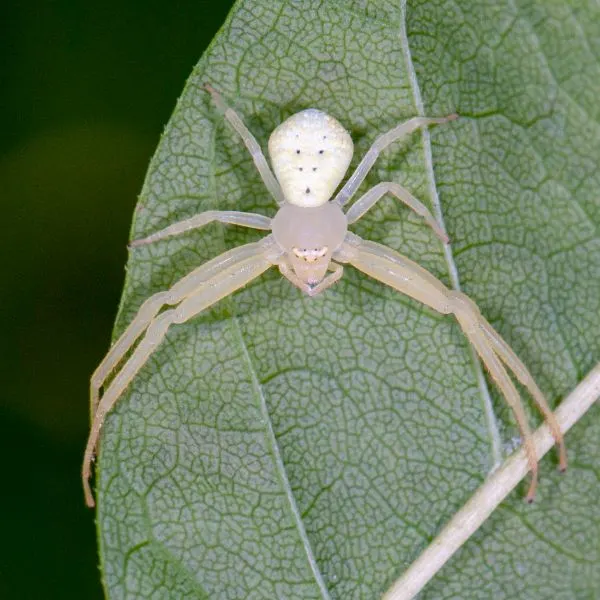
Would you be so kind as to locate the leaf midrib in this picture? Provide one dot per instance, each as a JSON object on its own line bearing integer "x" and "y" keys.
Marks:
{"x": 278, "y": 460}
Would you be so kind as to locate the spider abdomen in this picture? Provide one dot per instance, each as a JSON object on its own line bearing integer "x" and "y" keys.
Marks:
{"x": 310, "y": 153}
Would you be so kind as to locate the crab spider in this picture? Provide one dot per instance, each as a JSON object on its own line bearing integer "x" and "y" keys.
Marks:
{"x": 309, "y": 243}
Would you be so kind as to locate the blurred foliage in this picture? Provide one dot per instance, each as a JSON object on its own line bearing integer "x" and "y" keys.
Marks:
{"x": 86, "y": 90}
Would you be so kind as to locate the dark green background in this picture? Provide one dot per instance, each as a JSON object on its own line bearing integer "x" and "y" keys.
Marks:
{"x": 85, "y": 91}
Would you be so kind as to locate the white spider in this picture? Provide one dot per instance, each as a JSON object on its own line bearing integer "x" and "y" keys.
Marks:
{"x": 309, "y": 241}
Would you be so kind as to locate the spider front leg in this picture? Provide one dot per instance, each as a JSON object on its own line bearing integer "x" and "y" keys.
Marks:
{"x": 380, "y": 144}
{"x": 366, "y": 202}
{"x": 510, "y": 359}
{"x": 407, "y": 277}
{"x": 194, "y": 293}
{"x": 151, "y": 307}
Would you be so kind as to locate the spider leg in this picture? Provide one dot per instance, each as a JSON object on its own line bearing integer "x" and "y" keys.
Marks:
{"x": 250, "y": 142}
{"x": 408, "y": 277}
{"x": 250, "y": 263}
{"x": 366, "y": 202}
{"x": 232, "y": 217}
{"x": 151, "y": 307}
{"x": 470, "y": 319}
{"x": 380, "y": 144}
{"x": 513, "y": 362}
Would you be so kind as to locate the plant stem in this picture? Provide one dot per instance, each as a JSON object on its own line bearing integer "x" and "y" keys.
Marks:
{"x": 483, "y": 502}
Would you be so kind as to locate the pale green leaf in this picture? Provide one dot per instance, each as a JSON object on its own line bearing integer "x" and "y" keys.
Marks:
{"x": 280, "y": 446}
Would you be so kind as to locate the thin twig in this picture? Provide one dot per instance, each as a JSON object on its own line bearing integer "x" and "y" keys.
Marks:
{"x": 483, "y": 502}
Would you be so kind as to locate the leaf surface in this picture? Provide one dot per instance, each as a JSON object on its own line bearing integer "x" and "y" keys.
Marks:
{"x": 279, "y": 446}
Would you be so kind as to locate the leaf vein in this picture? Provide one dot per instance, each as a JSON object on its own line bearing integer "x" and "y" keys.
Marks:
{"x": 496, "y": 443}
